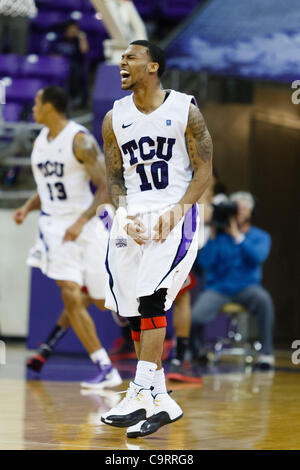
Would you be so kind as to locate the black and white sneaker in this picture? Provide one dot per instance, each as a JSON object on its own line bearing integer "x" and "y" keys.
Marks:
{"x": 137, "y": 405}
{"x": 166, "y": 411}
{"x": 265, "y": 361}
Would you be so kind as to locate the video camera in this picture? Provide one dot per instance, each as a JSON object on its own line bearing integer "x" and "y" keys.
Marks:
{"x": 222, "y": 213}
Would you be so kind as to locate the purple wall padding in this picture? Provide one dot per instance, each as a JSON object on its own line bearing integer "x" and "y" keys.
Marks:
{"x": 217, "y": 328}
{"x": 45, "y": 308}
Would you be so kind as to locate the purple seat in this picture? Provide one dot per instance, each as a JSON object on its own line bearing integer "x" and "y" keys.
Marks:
{"x": 11, "y": 112}
{"x": 96, "y": 52}
{"x": 35, "y": 42}
{"x": 87, "y": 6}
{"x": 177, "y": 9}
{"x": 10, "y": 65}
{"x": 47, "y": 20}
{"x": 60, "y": 4}
{"x": 146, "y": 8}
{"x": 23, "y": 90}
{"x": 90, "y": 24}
{"x": 52, "y": 68}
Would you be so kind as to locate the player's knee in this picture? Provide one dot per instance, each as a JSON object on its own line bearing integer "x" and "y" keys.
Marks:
{"x": 71, "y": 295}
{"x": 100, "y": 303}
{"x": 152, "y": 310}
{"x": 135, "y": 325}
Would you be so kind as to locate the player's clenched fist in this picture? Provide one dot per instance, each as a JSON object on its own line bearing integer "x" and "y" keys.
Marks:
{"x": 19, "y": 215}
{"x": 136, "y": 230}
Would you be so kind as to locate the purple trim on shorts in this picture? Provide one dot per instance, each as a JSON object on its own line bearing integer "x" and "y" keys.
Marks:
{"x": 41, "y": 236}
{"x": 106, "y": 219}
{"x": 188, "y": 230}
{"x": 189, "y": 227}
{"x": 111, "y": 280}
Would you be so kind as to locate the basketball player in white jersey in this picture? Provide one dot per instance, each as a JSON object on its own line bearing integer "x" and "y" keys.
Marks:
{"x": 72, "y": 241}
{"x": 158, "y": 155}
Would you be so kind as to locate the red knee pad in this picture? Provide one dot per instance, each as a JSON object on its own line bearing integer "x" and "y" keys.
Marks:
{"x": 154, "y": 322}
{"x": 136, "y": 335}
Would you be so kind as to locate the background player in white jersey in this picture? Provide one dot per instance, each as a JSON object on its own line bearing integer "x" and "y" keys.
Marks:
{"x": 72, "y": 241}
{"x": 158, "y": 156}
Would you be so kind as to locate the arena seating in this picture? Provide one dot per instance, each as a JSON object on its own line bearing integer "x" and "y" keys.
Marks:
{"x": 47, "y": 20}
{"x": 37, "y": 68}
{"x": 47, "y": 24}
{"x": 146, "y": 8}
{"x": 53, "y": 69}
{"x": 67, "y": 5}
{"x": 24, "y": 76}
{"x": 22, "y": 90}
{"x": 10, "y": 65}
{"x": 176, "y": 9}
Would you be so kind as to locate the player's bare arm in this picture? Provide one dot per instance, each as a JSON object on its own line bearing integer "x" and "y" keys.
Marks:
{"x": 114, "y": 163}
{"x": 88, "y": 153}
{"x": 199, "y": 148}
{"x": 33, "y": 203}
{"x": 115, "y": 177}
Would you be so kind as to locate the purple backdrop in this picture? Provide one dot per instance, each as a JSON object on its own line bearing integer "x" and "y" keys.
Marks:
{"x": 46, "y": 306}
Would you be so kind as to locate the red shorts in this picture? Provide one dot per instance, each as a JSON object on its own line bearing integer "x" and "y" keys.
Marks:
{"x": 189, "y": 284}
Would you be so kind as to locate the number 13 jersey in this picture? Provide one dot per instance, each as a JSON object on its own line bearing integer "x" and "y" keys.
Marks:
{"x": 62, "y": 182}
{"x": 157, "y": 168}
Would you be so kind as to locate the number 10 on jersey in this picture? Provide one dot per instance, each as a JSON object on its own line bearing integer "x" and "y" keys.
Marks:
{"x": 159, "y": 173}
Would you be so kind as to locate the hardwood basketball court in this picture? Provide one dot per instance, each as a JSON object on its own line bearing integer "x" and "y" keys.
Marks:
{"x": 235, "y": 408}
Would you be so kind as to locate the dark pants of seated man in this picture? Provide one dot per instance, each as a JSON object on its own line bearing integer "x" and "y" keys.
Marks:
{"x": 255, "y": 299}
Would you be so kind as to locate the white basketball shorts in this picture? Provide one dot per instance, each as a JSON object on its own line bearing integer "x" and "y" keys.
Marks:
{"x": 135, "y": 271}
{"x": 81, "y": 261}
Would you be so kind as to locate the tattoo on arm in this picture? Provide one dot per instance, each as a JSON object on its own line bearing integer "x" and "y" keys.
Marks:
{"x": 114, "y": 162}
{"x": 87, "y": 151}
{"x": 86, "y": 148}
{"x": 198, "y": 140}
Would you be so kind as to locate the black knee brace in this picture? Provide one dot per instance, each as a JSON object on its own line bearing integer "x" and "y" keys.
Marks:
{"x": 152, "y": 309}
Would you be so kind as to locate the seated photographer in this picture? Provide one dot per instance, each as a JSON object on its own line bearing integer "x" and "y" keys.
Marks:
{"x": 232, "y": 261}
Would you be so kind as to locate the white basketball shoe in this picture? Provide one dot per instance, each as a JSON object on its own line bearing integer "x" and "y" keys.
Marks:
{"x": 166, "y": 411}
{"x": 137, "y": 405}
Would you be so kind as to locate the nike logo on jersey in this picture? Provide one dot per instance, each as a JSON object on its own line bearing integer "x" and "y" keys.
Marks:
{"x": 124, "y": 126}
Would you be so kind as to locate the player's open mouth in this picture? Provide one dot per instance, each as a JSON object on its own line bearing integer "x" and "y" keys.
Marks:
{"x": 124, "y": 75}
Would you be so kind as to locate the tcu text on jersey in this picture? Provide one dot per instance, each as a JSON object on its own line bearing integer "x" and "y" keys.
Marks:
{"x": 51, "y": 168}
{"x": 148, "y": 148}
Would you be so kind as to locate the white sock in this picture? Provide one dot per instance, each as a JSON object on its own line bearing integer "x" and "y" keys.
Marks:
{"x": 145, "y": 373}
{"x": 100, "y": 356}
{"x": 159, "y": 382}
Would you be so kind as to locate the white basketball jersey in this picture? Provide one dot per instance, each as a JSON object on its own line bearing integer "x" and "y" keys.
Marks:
{"x": 62, "y": 182}
{"x": 157, "y": 169}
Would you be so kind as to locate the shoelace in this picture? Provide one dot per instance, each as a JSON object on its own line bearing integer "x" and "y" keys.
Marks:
{"x": 130, "y": 394}
{"x": 157, "y": 400}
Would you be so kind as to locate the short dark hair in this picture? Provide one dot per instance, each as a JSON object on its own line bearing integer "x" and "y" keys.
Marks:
{"x": 69, "y": 23}
{"x": 156, "y": 53}
{"x": 57, "y": 97}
